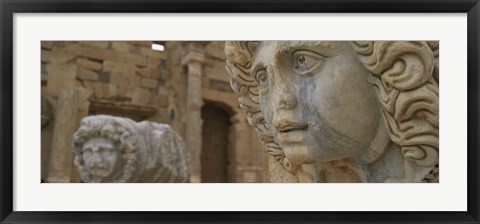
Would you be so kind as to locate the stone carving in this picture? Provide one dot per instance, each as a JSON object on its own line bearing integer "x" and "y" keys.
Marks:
{"x": 359, "y": 111}
{"x": 117, "y": 149}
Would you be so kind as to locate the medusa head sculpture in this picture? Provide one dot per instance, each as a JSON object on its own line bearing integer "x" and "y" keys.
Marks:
{"x": 116, "y": 149}
{"x": 337, "y": 111}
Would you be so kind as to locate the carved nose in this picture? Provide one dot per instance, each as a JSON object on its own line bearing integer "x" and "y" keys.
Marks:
{"x": 96, "y": 160}
{"x": 287, "y": 101}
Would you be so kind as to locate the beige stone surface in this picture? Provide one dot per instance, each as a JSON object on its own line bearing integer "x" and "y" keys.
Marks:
{"x": 96, "y": 44}
{"x": 152, "y": 54}
{"x": 160, "y": 100}
{"x": 140, "y": 96}
{"x": 215, "y": 51}
{"x": 149, "y": 73}
{"x": 193, "y": 58}
{"x": 142, "y": 43}
{"x": 67, "y": 71}
{"x": 107, "y": 54}
{"x": 85, "y": 74}
{"x": 333, "y": 111}
{"x": 149, "y": 83}
{"x": 55, "y": 85}
{"x": 121, "y": 46}
{"x": 57, "y": 56}
{"x": 89, "y": 64}
{"x": 60, "y": 154}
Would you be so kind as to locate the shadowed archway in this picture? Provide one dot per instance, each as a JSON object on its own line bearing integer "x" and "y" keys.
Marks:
{"x": 214, "y": 157}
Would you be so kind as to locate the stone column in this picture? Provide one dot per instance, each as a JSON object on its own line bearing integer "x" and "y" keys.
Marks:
{"x": 70, "y": 106}
{"x": 61, "y": 154}
{"x": 193, "y": 56}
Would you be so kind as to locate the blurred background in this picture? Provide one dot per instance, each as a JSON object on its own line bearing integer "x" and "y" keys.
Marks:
{"x": 180, "y": 83}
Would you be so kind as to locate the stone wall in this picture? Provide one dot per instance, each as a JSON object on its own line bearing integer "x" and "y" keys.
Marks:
{"x": 130, "y": 79}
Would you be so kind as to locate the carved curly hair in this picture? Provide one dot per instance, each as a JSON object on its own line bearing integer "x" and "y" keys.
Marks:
{"x": 405, "y": 75}
{"x": 122, "y": 138}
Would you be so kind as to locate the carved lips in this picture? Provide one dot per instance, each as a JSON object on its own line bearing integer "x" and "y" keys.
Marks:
{"x": 291, "y": 132}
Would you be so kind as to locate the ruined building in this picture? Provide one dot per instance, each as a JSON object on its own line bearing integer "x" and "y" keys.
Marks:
{"x": 186, "y": 86}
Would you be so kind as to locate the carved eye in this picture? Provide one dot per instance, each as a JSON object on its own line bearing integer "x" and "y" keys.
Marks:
{"x": 87, "y": 151}
{"x": 262, "y": 78}
{"x": 106, "y": 151}
{"x": 307, "y": 61}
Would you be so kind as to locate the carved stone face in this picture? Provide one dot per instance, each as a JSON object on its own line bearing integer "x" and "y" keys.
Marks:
{"x": 101, "y": 157}
{"x": 316, "y": 99}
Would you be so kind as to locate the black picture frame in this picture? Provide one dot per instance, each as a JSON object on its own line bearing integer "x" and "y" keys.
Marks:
{"x": 9, "y": 7}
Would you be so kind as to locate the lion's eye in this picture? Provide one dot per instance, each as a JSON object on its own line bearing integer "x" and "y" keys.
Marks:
{"x": 307, "y": 61}
{"x": 262, "y": 78}
{"x": 107, "y": 151}
{"x": 87, "y": 151}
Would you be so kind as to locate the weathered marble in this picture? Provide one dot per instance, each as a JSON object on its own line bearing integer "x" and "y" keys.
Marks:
{"x": 117, "y": 149}
{"x": 359, "y": 111}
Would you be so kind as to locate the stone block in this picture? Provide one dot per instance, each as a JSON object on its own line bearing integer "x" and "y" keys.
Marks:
{"x": 160, "y": 101}
{"x": 45, "y": 55}
{"x": 46, "y": 45}
{"x": 122, "y": 91}
{"x": 58, "y": 44}
{"x": 149, "y": 73}
{"x": 98, "y": 53}
{"x": 68, "y": 71}
{"x": 43, "y": 67}
{"x": 149, "y": 83}
{"x": 134, "y": 59}
{"x": 89, "y": 85}
{"x": 165, "y": 74}
{"x": 121, "y": 46}
{"x": 215, "y": 52}
{"x": 96, "y": 44}
{"x": 142, "y": 43}
{"x": 153, "y": 53}
{"x": 61, "y": 56}
{"x": 109, "y": 66}
{"x": 104, "y": 76}
{"x": 89, "y": 64}
{"x": 217, "y": 72}
{"x": 112, "y": 91}
{"x": 44, "y": 79}
{"x": 78, "y": 83}
{"x": 161, "y": 115}
{"x": 85, "y": 74}
{"x": 140, "y": 96}
{"x": 129, "y": 80}
{"x": 111, "y": 55}
{"x": 57, "y": 84}
{"x": 101, "y": 90}
{"x": 220, "y": 85}
{"x": 135, "y": 49}
{"x": 71, "y": 47}
{"x": 113, "y": 66}
{"x": 104, "y": 90}
{"x": 153, "y": 62}
{"x": 218, "y": 44}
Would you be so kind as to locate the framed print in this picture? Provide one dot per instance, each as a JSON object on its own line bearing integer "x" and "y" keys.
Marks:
{"x": 245, "y": 112}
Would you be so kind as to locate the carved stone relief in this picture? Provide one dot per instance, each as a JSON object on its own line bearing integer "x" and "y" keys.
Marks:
{"x": 117, "y": 149}
{"x": 333, "y": 111}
